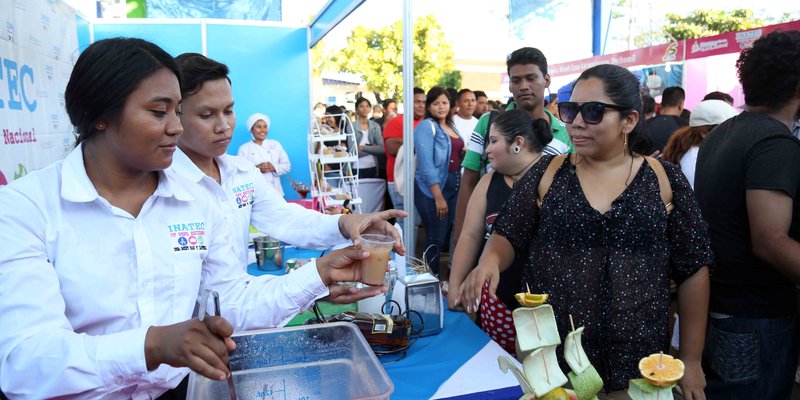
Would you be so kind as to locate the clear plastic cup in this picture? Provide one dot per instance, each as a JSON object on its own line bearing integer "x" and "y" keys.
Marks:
{"x": 373, "y": 269}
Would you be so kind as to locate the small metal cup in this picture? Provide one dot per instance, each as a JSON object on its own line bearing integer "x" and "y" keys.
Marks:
{"x": 267, "y": 249}
{"x": 260, "y": 258}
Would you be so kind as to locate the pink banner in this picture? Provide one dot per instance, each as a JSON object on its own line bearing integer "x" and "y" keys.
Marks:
{"x": 670, "y": 52}
{"x": 731, "y": 42}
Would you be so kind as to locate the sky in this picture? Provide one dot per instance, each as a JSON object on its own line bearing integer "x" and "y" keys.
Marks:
{"x": 479, "y": 29}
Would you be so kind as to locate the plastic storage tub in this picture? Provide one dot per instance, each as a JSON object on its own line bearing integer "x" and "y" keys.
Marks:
{"x": 326, "y": 361}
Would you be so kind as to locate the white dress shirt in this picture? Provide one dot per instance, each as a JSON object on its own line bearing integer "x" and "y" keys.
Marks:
{"x": 81, "y": 281}
{"x": 268, "y": 151}
{"x": 253, "y": 202}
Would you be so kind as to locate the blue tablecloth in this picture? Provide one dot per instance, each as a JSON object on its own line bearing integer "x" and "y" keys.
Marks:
{"x": 290, "y": 252}
{"x": 433, "y": 359}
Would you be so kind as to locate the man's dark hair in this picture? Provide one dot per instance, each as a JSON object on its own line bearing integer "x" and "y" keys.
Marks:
{"x": 462, "y": 92}
{"x": 418, "y": 90}
{"x": 387, "y": 102}
{"x": 768, "y": 71}
{"x": 480, "y": 93}
{"x": 527, "y": 55}
{"x": 452, "y": 93}
{"x": 719, "y": 96}
{"x": 648, "y": 104}
{"x": 672, "y": 96}
{"x": 106, "y": 73}
{"x": 198, "y": 69}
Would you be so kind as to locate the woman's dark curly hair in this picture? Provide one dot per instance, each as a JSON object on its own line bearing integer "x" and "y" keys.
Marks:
{"x": 770, "y": 70}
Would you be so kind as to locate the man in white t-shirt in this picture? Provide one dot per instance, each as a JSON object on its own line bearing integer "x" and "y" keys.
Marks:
{"x": 464, "y": 120}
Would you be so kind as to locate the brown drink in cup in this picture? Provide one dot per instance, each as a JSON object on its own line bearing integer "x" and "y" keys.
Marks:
{"x": 373, "y": 269}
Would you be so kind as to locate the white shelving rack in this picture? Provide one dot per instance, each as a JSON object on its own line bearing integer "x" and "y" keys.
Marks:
{"x": 332, "y": 162}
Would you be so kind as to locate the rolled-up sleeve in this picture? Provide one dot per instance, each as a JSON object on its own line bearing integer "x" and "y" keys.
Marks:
{"x": 423, "y": 146}
{"x": 289, "y": 222}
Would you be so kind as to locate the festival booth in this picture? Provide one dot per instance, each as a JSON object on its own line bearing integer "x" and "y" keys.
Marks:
{"x": 270, "y": 73}
{"x": 699, "y": 66}
{"x": 269, "y": 70}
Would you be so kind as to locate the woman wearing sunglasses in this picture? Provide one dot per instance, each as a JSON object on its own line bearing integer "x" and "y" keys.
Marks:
{"x": 599, "y": 237}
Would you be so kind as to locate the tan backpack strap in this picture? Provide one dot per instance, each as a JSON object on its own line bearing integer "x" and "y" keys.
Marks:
{"x": 663, "y": 182}
{"x": 547, "y": 177}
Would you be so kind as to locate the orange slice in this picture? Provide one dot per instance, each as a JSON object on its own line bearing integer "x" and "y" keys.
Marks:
{"x": 530, "y": 299}
{"x": 661, "y": 370}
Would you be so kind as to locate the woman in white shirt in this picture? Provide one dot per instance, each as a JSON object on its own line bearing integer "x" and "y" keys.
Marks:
{"x": 104, "y": 253}
{"x": 266, "y": 154}
{"x": 684, "y": 144}
{"x": 208, "y": 121}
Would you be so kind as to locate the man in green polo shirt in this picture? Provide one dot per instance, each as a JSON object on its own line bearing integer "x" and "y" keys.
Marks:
{"x": 527, "y": 73}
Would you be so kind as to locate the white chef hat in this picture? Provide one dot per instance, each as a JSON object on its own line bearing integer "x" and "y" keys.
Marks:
{"x": 255, "y": 118}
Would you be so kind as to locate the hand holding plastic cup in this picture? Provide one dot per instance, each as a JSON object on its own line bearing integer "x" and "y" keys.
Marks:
{"x": 373, "y": 269}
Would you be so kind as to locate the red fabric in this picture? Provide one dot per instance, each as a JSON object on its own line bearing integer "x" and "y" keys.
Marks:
{"x": 394, "y": 129}
{"x": 497, "y": 321}
{"x": 456, "y": 154}
{"x": 309, "y": 204}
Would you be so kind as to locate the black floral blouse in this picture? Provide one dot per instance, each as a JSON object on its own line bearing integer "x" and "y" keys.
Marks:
{"x": 610, "y": 271}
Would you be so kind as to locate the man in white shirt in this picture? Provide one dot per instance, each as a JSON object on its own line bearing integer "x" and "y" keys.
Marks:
{"x": 464, "y": 120}
{"x": 266, "y": 154}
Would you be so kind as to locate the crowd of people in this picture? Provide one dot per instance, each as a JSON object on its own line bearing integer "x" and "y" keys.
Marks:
{"x": 589, "y": 195}
{"x": 648, "y": 196}
{"x": 613, "y": 204}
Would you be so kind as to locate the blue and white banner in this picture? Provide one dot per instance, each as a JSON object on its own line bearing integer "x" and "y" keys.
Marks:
{"x": 38, "y": 40}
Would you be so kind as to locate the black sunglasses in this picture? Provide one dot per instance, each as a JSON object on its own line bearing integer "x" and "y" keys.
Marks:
{"x": 592, "y": 112}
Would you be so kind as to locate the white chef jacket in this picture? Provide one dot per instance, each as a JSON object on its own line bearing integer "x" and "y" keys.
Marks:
{"x": 252, "y": 201}
{"x": 81, "y": 281}
{"x": 268, "y": 151}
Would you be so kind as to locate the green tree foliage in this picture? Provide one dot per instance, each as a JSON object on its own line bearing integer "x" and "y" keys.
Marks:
{"x": 321, "y": 59}
{"x": 450, "y": 79}
{"x": 702, "y": 23}
{"x": 377, "y": 55}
